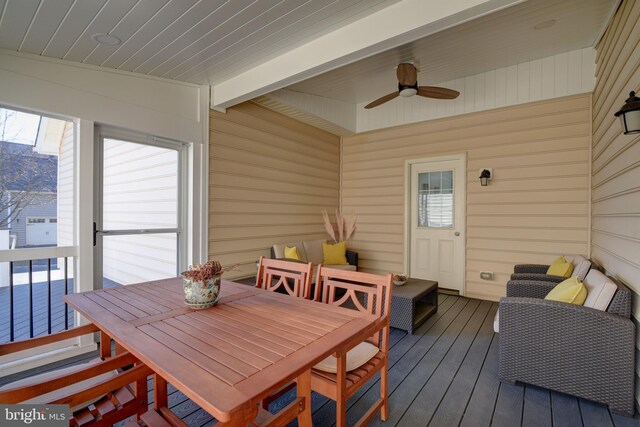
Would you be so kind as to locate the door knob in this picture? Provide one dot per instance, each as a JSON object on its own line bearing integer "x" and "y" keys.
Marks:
{"x": 457, "y": 233}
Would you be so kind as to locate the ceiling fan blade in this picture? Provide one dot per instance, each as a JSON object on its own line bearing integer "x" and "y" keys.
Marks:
{"x": 437, "y": 92}
{"x": 407, "y": 74}
{"x": 381, "y": 100}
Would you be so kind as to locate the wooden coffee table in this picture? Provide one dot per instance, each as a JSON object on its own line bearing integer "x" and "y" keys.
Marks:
{"x": 413, "y": 303}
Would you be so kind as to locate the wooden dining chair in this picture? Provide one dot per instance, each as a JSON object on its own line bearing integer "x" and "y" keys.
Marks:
{"x": 339, "y": 377}
{"x": 101, "y": 392}
{"x": 294, "y": 278}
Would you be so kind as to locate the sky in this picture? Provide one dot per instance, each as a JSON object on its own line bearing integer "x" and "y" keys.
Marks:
{"x": 19, "y": 127}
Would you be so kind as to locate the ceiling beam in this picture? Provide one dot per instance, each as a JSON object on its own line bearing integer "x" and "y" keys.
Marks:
{"x": 398, "y": 24}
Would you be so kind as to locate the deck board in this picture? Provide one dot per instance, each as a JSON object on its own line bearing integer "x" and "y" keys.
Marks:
{"x": 453, "y": 404}
{"x": 443, "y": 375}
{"x": 537, "y": 407}
{"x": 565, "y": 410}
{"x": 436, "y": 387}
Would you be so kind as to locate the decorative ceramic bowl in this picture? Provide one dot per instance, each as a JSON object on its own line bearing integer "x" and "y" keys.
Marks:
{"x": 400, "y": 279}
{"x": 200, "y": 295}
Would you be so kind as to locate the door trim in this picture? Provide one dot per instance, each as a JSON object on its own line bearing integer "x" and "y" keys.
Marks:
{"x": 407, "y": 208}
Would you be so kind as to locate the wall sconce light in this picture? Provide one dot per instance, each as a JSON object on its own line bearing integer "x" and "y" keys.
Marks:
{"x": 485, "y": 176}
{"x": 630, "y": 114}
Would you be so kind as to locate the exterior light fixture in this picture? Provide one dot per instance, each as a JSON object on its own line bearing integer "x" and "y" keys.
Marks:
{"x": 630, "y": 114}
{"x": 485, "y": 176}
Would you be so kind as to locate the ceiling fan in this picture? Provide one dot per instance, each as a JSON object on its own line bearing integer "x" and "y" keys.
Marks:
{"x": 408, "y": 86}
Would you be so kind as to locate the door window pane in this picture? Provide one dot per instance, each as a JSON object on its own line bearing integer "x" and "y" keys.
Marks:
{"x": 140, "y": 186}
{"x": 435, "y": 199}
{"x": 138, "y": 258}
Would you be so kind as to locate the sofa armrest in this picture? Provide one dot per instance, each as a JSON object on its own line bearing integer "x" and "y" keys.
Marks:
{"x": 537, "y": 276}
{"x": 352, "y": 257}
{"x": 531, "y": 268}
{"x": 569, "y": 348}
{"x": 272, "y": 254}
{"x": 529, "y": 288}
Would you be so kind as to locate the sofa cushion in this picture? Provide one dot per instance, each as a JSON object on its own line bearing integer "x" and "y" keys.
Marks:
{"x": 278, "y": 250}
{"x": 560, "y": 267}
{"x": 313, "y": 248}
{"x": 571, "y": 290}
{"x": 581, "y": 267}
{"x": 291, "y": 253}
{"x": 356, "y": 357}
{"x": 335, "y": 254}
{"x": 601, "y": 290}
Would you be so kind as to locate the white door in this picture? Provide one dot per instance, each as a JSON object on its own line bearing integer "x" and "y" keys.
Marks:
{"x": 140, "y": 209}
{"x": 437, "y": 248}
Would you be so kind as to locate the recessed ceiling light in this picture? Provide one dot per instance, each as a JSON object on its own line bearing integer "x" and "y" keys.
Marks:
{"x": 106, "y": 39}
{"x": 544, "y": 24}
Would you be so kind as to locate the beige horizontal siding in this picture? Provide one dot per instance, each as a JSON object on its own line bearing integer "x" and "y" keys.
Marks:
{"x": 535, "y": 208}
{"x": 616, "y": 157}
{"x": 270, "y": 176}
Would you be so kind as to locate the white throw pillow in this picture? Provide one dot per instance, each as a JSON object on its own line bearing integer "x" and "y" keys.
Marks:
{"x": 496, "y": 322}
{"x": 581, "y": 267}
{"x": 356, "y": 357}
{"x": 600, "y": 290}
{"x": 65, "y": 391}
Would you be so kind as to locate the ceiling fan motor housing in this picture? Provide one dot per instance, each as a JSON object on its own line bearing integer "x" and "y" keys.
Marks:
{"x": 406, "y": 90}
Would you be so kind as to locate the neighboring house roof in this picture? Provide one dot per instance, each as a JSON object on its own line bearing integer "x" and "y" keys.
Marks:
{"x": 22, "y": 169}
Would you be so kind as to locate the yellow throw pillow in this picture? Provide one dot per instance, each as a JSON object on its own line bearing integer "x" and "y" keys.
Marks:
{"x": 560, "y": 267}
{"x": 291, "y": 253}
{"x": 334, "y": 254}
{"x": 571, "y": 290}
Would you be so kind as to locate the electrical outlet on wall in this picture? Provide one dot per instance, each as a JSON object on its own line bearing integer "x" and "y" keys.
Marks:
{"x": 486, "y": 275}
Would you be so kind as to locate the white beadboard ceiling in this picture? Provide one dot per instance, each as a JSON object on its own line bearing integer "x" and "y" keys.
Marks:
{"x": 247, "y": 48}
{"x": 198, "y": 41}
{"x": 500, "y": 39}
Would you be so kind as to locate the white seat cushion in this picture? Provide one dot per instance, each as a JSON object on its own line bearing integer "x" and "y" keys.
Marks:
{"x": 496, "y": 322}
{"x": 356, "y": 357}
{"x": 600, "y": 290}
{"x": 581, "y": 267}
{"x": 65, "y": 391}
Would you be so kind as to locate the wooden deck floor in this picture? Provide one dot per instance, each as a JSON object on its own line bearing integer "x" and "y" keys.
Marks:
{"x": 445, "y": 375}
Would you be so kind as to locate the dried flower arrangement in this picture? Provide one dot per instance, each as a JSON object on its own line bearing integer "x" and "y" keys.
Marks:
{"x": 206, "y": 271}
{"x": 346, "y": 225}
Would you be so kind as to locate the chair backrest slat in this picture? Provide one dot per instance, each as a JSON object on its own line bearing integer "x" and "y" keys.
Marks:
{"x": 292, "y": 277}
{"x": 368, "y": 293}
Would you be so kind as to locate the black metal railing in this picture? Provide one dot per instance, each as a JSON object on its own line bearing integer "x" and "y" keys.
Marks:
{"x": 36, "y": 307}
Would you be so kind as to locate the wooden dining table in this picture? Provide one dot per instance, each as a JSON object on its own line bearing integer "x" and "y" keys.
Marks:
{"x": 229, "y": 357}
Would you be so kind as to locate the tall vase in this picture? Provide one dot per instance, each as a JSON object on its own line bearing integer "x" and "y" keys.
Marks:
{"x": 201, "y": 294}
